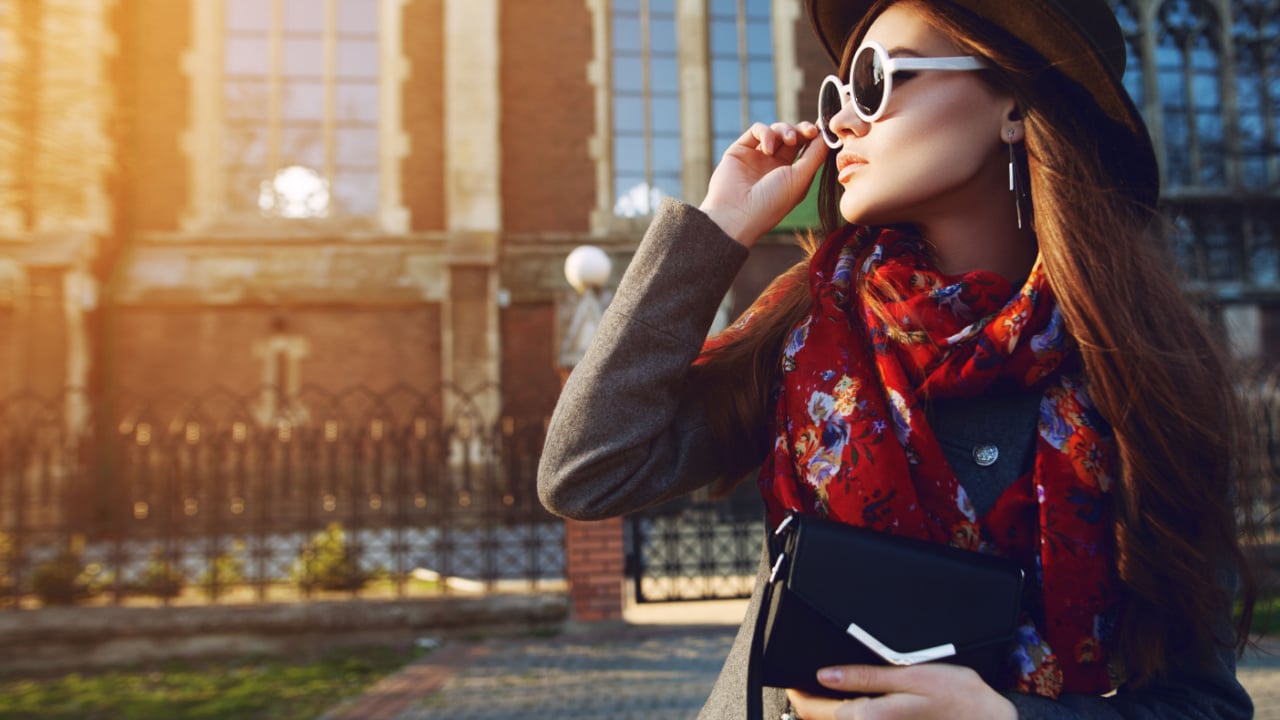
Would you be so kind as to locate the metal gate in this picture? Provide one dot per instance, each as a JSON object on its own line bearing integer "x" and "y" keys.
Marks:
{"x": 694, "y": 548}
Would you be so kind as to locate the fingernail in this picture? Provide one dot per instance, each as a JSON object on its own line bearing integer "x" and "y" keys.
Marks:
{"x": 830, "y": 675}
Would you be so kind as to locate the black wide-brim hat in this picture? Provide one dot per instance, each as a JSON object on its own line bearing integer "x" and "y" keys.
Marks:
{"x": 1079, "y": 38}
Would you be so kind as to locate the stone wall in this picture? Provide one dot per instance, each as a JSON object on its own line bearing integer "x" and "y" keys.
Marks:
{"x": 63, "y": 639}
{"x": 193, "y": 348}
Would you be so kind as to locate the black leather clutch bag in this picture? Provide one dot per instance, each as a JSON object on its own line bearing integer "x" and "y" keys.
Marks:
{"x": 843, "y": 595}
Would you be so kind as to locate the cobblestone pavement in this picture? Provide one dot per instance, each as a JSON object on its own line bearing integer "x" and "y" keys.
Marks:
{"x": 632, "y": 672}
{"x": 629, "y": 676}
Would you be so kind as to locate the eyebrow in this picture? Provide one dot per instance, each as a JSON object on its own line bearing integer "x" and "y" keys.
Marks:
{"x": 899, "y": 50}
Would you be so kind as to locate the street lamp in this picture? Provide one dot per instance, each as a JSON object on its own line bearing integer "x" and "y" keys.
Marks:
{"x": 587, "y": 269}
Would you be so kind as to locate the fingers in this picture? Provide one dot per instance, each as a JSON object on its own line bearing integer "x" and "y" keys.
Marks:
{"x": 771, "y": 139}
{"x": 862, "y": 678}
{"x": 875, "y": 680}
{"x": 811, "y": 157}
{"x": 812, "y": 707}
{"x": 935, "y": 690}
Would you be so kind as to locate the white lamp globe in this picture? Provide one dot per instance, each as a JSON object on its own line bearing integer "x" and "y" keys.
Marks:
{"x": 587, "y": 267}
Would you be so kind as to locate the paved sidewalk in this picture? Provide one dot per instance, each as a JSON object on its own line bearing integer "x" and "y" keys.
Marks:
{"x": 1260, "y": 674}
{"x": 661, "y": 664}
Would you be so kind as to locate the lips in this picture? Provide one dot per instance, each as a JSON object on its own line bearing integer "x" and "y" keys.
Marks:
{"x": 847, "y": 164}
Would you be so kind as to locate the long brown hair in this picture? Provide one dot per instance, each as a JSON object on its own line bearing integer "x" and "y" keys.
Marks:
{"x": 1154, "y": 372}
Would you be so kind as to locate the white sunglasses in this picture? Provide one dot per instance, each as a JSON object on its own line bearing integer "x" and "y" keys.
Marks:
{"x": 871, "y": 82}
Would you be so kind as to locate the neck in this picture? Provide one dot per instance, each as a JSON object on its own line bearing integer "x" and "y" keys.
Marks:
{"x": 961, "y": 246}
{"x": 981, "y": 233}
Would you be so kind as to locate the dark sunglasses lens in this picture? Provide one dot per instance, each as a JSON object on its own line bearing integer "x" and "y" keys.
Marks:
{"x": 868, "y": 81}
{"x": 828, "y": 107}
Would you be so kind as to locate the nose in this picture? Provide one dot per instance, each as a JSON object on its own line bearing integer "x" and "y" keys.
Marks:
{"x": 847, "y": 122}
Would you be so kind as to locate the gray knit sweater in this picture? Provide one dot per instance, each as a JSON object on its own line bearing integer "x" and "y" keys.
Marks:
{"x": 624, "y": 437}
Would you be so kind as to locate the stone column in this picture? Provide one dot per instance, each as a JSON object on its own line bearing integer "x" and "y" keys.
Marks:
{"x": 80, "y": 295}
{"x": 695, "y": 99}
{"x": 473, "y": 200}
{"x": 789, "y": 81}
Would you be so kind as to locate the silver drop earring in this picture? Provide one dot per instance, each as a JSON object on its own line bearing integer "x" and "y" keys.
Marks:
{"x": 1013, "y": 181}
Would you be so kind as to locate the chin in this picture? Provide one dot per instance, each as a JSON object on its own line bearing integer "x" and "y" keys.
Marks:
{"x": 864, "y": 215}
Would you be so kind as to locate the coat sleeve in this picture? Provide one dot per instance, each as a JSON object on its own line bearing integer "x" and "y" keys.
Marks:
{"x": 1209, "y": 694}
{"x": 1192, "y": 690}
{"x": 623, "y": 435}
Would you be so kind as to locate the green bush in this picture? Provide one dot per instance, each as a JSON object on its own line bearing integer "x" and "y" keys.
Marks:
{"x": 6, "y": 569}
{"x": 66, "y": 580}
{"x": 226, "y": 571}
{"x": 160, "y": 578}
{"x": 326, "y": 563}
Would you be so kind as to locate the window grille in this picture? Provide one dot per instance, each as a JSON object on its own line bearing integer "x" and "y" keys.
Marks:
{"x": 1188, "y": 75}
{"x": 650, "y": 124}
{"x": 1256, "y": 36}
{"x": 301, "y": 107}
{"x": 646, "y": 105}
{"x": 742, "y": 69}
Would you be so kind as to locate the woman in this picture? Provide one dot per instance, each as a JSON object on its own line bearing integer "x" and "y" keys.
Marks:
{"x": 1001, "y": 264}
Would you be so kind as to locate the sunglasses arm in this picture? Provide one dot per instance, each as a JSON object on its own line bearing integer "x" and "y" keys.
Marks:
{"x": 934, "y": 63}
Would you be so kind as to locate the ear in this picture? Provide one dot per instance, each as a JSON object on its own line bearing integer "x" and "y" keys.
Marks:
{"x": 1012, "y": 129}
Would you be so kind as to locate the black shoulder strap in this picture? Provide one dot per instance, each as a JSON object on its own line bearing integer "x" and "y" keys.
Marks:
{"x": 755, "y": 687}
{"x": 755, "y": 684}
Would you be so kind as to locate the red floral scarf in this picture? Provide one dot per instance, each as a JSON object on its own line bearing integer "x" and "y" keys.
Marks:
{"x": 853, "y": 444}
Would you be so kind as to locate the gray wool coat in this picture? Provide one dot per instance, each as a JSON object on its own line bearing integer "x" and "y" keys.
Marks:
{"x": 624, "y": 437}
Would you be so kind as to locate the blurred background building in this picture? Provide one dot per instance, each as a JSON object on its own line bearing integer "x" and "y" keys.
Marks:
{"x": 274, "y": 193}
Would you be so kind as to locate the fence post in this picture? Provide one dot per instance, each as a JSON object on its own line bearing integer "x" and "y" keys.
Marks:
{"x": 594, "y": 555}
{"x": 594, "y": 569}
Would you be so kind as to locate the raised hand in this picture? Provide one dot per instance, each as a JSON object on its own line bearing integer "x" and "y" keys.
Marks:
{"x": 759, "y": 178}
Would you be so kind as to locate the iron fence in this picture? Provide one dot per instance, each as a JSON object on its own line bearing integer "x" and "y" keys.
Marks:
{"x": 696, "y": 548}
{"x": 1259, "y": 390}
{"x": 226, "y": 497}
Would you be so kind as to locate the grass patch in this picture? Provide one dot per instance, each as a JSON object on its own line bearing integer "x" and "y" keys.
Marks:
{"x": 248, "y": 689}
{"x": 1266, "y": 615}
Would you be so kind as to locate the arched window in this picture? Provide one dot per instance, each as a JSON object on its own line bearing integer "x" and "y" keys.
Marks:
{"x": 1207, "y": 244}
{"x": 1127, "y": 14}
{"x": 646, "y": 105}
{"x": 12, "y": 133}
{"x": 301, "y": 107}
{"x": 1188, "y": 73}
{"x": 684, "y": 79}
{"x": 742, "y": 86}
{"x": 1256, "y": 33}
{"x": 1220, "y": 233}
{"x": 1262, "y": 233}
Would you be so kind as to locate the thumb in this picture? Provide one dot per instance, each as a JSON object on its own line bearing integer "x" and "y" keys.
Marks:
{"x": 868, "y": 679}
{"x": 806, "y": 166}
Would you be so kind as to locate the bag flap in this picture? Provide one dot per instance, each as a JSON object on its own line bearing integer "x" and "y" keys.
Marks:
{"x": 908, "y": 594}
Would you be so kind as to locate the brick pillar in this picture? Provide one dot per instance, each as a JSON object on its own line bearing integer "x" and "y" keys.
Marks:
{"x": 594, "y": 567}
